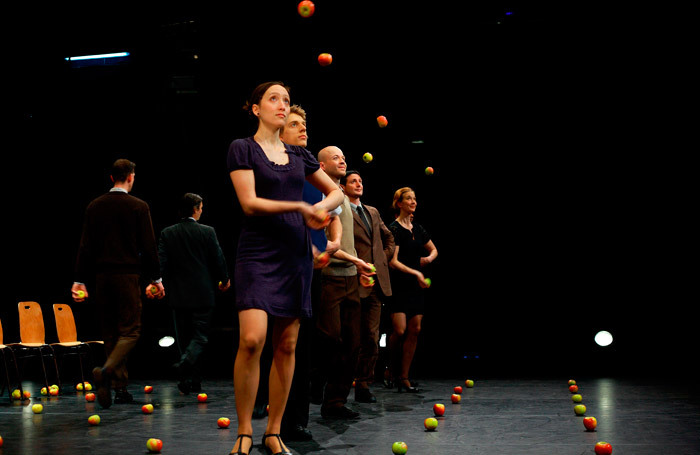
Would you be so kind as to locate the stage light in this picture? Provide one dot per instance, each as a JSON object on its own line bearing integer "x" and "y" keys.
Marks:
{"x": 166, "y": 341}
{"x": 97, "y": 56}
{"x": 603, "y": 338}
{"x": 382, "y": 341}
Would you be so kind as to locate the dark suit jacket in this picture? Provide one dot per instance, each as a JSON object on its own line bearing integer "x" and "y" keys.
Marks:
{"x": 191, "y": 263}
{"x": 117, "y": 238}
{"x": 376, "y": 249}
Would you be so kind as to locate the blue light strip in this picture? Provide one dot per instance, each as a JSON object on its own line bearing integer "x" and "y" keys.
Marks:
{"x": 98, "y": 56}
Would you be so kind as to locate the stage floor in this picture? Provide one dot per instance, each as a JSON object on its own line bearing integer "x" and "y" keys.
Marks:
{"x": 496, "y": 416}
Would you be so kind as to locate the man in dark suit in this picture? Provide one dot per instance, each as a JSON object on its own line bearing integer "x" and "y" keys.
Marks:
{"x": 192, "y": 264}
{"x": 117, "y": 248}
{"x": 374, "y": 244}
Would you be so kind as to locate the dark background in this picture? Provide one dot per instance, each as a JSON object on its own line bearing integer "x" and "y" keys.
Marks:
{"x": 560, "y": 204}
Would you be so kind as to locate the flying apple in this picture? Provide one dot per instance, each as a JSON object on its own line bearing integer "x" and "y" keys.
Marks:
{"x": 430, "y": 423}
{"x": 325, "y": 59}
{"x": 603, "y": 448}
{"x": 382, "y": 121}
{"x": 306, "y": 8}
{"x": 399, "y": 448}
{"x": 367, "y": 157}
{"x": 223, "y": 422}
{"x": 439, "y": 409}
{"x": 323, "y": 259}
{"x": 590, "y": 423}
{"x": 429, "y": 170}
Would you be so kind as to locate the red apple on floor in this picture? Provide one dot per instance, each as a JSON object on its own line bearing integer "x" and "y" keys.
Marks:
{"x": 580, "y": 409}
{"x": 456, "y": 398}
{"x": 439, "y": 409}
{"x": 202, "y": 397}
{"x": 573, "y": 388}
{"x": 469, "y": 383}
{"x": 399, "y": 448}
{"x": 603, "y": 448}
{"x": 147, "y": 408}
{"x": 458, "y": 389}
{"x": 94, "y": 420}
{"x": 148, "y": 389}
{"x": 325, "y": 59}
{"x": 430, "y": 423}
{"x": 590, "y": 423}
{"x": 572, "y": 382}
{"x": 223, "y": 422}
{"x": 90, "y": 396}
{"x": 154, "y": 445}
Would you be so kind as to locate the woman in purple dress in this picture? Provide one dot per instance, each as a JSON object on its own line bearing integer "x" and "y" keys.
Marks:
{"x": 273, "y": 261}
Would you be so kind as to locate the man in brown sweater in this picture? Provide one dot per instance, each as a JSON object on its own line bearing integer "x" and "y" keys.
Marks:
{"x": 117, "y": 248}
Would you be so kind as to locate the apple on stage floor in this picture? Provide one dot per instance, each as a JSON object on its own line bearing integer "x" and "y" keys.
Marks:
{"x": 603, "y": 448}
{"x": 154, "y": 445}
{"x": 90, "y": 397}
{"x": 148, "y": 389}
{"x": 94, "y": 420}
{"x": 16, "y": 394}
{"x": 456, "y": 398}
{"x": 147, "y": 408}
{"x": 458, "y": 389}
{"x": 590, "y": 423}
{"x": 573, "y": 388}
{"x": 202, "y": 397}
{"x": 439, "y": 409}
{"x": 576, "y": 398}
{"x": 37, "y": 408}
{"x": 325, "y": 59}
{"x": 399, "y": 448}
{"x": 572, "y": 382}
{"x": 580, "y": 409}
{"x": 223, "y": 422}
{"x": 469, "y": 383}
{"x": 430, "y": 423}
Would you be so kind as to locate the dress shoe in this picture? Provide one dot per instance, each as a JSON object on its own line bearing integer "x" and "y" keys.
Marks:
{"x": 339, "y": 412}
{"x": 364, "y": 396}
{"x": 103, "y": 380}
{"x": 404, "y": 384}
{"x": 122, "y": 397}
{"x": 296, "y": 433}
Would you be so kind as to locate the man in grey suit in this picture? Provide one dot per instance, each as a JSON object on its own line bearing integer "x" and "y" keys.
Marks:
{"x": 192, "y": 264}
{"x": 374, "y": 244}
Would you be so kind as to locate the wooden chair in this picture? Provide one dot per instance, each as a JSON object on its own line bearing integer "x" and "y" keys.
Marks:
{"x": 4, "y": 349}
{"x": 68, "y": 334}
{"x": 31, "y": 333}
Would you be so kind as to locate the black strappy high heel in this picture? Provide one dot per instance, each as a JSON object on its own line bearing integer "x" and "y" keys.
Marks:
{"x": 279, "y": 439}
{"x": 241, "y": 436}
{"x": 402, "y": 386}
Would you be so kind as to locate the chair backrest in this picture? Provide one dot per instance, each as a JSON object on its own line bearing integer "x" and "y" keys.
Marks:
{"x": 65, "y": 323}
{"x": 31, "y": 323}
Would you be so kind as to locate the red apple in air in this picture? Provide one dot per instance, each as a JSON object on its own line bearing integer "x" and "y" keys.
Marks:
{"x": 148, "y": 389}
{"x": 439, "y": 409}
{"x": 603, "y": 448}
{"x": 590, "y": 423}
{"x": 325, "y": 59}
{"x": 456, "y": 398}
{"x": 306, "y": 8}
{"x": 458, "y": 389}
{"x": 223, "y": 422}
{"x": 382, "y": 121}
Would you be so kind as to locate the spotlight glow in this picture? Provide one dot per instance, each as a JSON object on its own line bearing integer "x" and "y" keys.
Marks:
{"x": 98, "y": 56}
{"x": 166, "y": 341}
{"x": 603, "y": 338}
{"x": 382, "y": 341}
